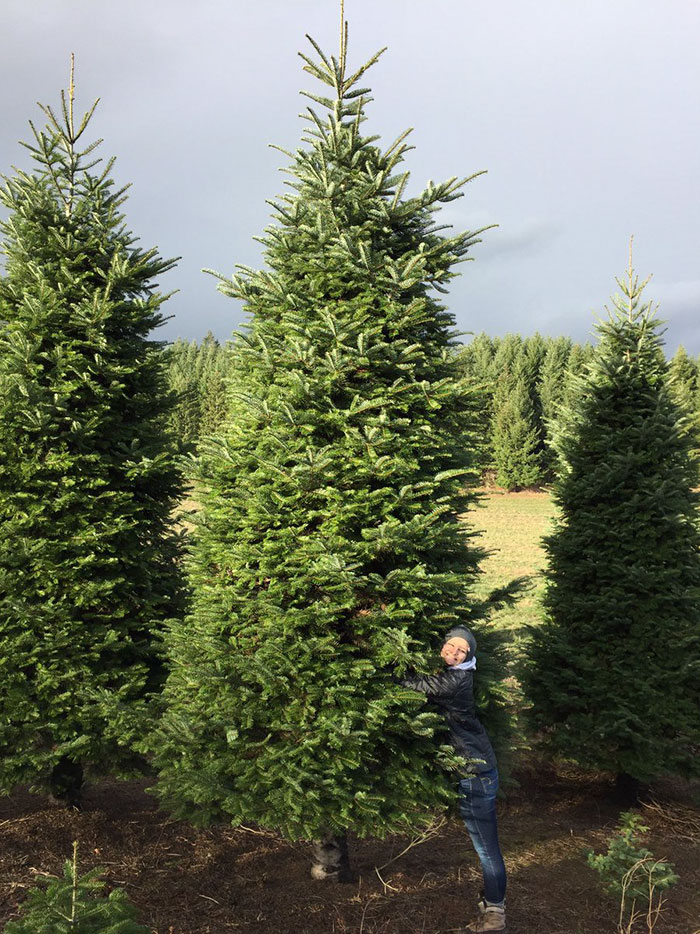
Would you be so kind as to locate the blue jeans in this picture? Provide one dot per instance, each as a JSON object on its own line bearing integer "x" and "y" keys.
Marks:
{"x": 477, "y": 805}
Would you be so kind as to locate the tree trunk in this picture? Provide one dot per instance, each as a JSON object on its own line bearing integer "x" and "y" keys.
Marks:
{"x": 330, "y": 860}
{"x": 67, "y": 783}
{"x": 629, "y": 790}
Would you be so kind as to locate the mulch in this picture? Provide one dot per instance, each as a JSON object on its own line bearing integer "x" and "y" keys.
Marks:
{"x": 186, "y": 880}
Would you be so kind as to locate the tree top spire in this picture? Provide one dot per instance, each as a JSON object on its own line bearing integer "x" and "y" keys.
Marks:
{"x": 343, "y": 37}
{"x": 71, "y": 93}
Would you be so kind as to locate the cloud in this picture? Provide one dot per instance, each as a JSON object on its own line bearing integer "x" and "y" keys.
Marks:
{"x": 679, "y": 309}
{"x": 678, "y": 300}
{"x": 504, "y": 238}
{"x": 524, "y": 237}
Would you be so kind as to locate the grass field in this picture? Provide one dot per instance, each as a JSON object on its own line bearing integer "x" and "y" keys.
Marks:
{"x": 513, "y": 525}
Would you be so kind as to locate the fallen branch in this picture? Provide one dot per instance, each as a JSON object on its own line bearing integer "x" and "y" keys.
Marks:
{"x": 431, "y": 831}
{"x": 385, "y": 884}
{"x": 684, "y": 822}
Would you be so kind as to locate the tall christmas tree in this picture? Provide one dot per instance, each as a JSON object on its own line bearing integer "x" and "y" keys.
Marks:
{"x": 615, "y": 675}
{"x": 330, "y": 556}
{"x": 88, "y": 554}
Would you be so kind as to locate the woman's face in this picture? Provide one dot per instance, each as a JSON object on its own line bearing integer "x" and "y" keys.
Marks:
{"x": 454, "y": 651}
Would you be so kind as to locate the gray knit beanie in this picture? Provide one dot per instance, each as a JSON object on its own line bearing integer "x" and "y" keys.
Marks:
{"x": 461, "y": 632}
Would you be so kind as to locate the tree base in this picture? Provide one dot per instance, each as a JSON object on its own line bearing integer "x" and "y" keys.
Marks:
{"x": 629, "y": 791}
{"x": 66, "y": 784}
{"x": 330, "y": 859}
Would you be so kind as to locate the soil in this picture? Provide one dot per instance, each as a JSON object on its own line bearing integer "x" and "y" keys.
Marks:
{"x": 191, "y": 881}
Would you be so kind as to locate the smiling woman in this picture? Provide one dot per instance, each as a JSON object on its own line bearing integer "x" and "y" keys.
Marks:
{"x": 454, "y": 651}
{"x": 452, "y": 692}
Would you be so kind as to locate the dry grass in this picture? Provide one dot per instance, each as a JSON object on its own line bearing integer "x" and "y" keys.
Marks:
{"x": 513, "y": 525}
{"x": 682, "y": 821}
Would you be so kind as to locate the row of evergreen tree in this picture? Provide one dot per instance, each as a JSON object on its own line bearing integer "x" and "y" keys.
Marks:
{"x": 529, "y": 382}
{"x": 197, "y": 374}
{"x": 526, "y": 382}
{"x": 329, "y": 556}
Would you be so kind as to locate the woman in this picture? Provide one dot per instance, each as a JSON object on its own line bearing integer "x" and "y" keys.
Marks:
{"x": 452, "y": 690}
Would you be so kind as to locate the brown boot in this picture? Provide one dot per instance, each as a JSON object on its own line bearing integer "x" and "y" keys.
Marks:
{"x": 490, "y": 919}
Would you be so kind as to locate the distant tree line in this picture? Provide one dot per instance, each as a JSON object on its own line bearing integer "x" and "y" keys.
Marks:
{"x": 197, "y": 376}
{"x": 528, "y": 382}
{"x": 525, "y": 383}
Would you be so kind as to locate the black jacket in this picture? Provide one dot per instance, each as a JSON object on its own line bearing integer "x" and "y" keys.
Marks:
{"x": 452, "y": 691}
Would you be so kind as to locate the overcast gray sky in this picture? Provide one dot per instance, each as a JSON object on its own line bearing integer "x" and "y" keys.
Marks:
{"x": 585, "y": 114}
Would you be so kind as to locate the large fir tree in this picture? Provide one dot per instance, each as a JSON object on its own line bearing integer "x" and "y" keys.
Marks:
{"x": 87, "y": 476}
{"x": 330, "y": 556}
{"x": 615, "y": 675}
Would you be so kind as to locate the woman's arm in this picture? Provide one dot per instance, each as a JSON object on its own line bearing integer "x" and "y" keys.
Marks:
{"x": 442, "y": 685}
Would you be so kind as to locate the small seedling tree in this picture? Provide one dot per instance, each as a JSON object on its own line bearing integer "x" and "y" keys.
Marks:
{"x": 629, "y": 871}
{"x": 76, "y": 904}
{"x": 329, "y": 554}
{"x": 615, "y": 673}
{"x": 88, "y": 479}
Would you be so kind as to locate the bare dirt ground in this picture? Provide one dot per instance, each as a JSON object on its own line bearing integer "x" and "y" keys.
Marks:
{"x": 190, "y": 881}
